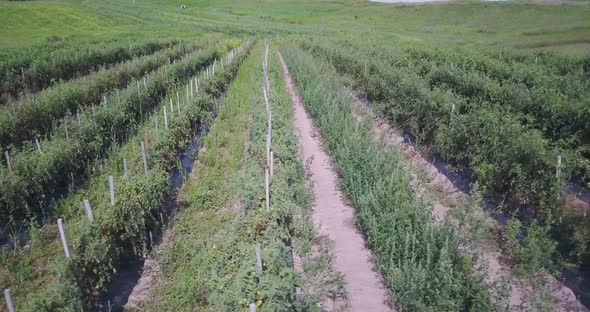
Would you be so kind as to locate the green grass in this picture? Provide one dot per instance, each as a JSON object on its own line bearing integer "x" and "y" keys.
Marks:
{"x": 564, "y": 27}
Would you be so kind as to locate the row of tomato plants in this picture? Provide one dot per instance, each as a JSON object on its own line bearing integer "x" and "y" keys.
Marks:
{"x": 69, "y": 63}
{"x": 120, "y": 231}
{"x": 13, "y": 59}
{"x": 507, "y": 157}
{"x": 36, "y": 115}
{"x": 513, "y": 163}
{"x": 211, "y": 263}
{"x": 36, "y": 175}
{"x": 421, "y": 260}
{"x": 557, "y": 105}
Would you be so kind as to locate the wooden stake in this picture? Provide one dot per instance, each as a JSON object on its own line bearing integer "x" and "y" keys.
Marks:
{"x": 171, "y": 105}
{"x": 144, "y": 83}
{"x": 126, "y": 168}
{"x": 8, "y": 164}
{"x": 197, "y": 85}
{"x": 259, "y": 259}
{"x": 177, "y": 98}
{"x": 165, "y": 118}
{"x": 267, "y": 188}
{"x": 145, "y": 167}
{"x": 94, "y": 114}
{"x": 106, "y": 104}
{"x": 138, "y": 91}
{"x": 78, "y": 118}
{"x": 8, "y": 297}
{"x": 558, "y": 167}
{"x": 64, "y": 240}
{"x": 112, "y": 189}
{"x": 192, "y": 94}
{"x": 88, "y": 211}
{"x": 38, "y": 145}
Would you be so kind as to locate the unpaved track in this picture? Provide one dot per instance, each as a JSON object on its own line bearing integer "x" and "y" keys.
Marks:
{"x": 443, "y": 195}
{"x": 334, "y": 218}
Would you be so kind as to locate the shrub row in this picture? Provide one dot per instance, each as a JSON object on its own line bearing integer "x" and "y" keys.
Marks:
{"x": 35, "y": 115}
{"x": 514, "y": 163}
{"x": 120, "y": 231}
{"x": 37, "y": 176}
{"x": 70, "y": 63}
{"x": 557, "y": 105}
{"x": 508, "y": 158}
{"x": 221, "y": 268}
{"x": 420, "y": 259}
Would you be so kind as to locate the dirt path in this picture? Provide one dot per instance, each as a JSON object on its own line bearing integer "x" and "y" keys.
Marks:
{"x": 334, "y": 218}
{"x": 434, "y": 187}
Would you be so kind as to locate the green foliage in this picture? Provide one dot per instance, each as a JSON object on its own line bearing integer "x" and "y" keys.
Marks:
{"x": 50, "y": 67}
{"x": 35, "y": 115}
{"x": 534, "y": 252}
{"x": 120, "y": 231}
{"x": 420, "y": 259}
{"x": 211, "y": 263}
{"x": 36, "y": 176}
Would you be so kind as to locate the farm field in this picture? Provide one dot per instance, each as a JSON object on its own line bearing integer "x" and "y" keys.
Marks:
{"x": 294, "y": 155}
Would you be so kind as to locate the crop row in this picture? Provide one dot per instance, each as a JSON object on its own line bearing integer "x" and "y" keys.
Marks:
{"x": 507, "y": 157}
{"x": 121, "y": 230}
{"x": 69, "y": 63}
{"x": 36, "y": 174}
{"x": 557, "y": 105}
{"x": 35, "y": 115}
{"x": 420, "y": 259}
{"x": 512, "y": 162}
{"x": 214, "y": 247}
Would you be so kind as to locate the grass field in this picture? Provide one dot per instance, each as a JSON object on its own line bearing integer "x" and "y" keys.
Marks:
{"x": 565, "y": 27}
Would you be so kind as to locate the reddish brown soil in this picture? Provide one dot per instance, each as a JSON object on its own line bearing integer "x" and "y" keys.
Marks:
{"x": 334, "y": 218}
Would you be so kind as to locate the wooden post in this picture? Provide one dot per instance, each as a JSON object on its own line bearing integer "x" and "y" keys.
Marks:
{"x": 558, "y": 167}
{"x": 196, "y": 85}
{"x": 8, "y": 164}
{"x": 165, "y": 118}
{"x": 126, "y": 168}
{"x": 145, "y": 167}
{"x": 67, "y": 131}
{"x": 267, "y": 188}
{"x": 192, "y": 94}
{"x": 94, "y": 114}
{"x": 259, "y": 259}
{"x": 138, "y": 91}
{"x": 144, "y": 83}
{"x": 112, "y": 189}
{"x": 64, "y": 241}
{"x": 88, "y": 211}
{"x": 38, "y": 145}
{"x": 9, "y": 303}
{"x": 78, "y": 118}
{"x": 171, "y": 106}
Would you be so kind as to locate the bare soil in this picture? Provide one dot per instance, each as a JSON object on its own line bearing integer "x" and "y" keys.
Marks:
{"x": 334, "y": 218}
